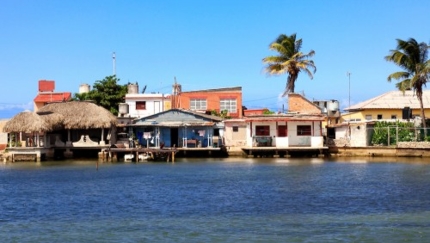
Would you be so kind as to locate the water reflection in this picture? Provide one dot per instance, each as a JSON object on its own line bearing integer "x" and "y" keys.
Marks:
{"x": 217, "y": 200}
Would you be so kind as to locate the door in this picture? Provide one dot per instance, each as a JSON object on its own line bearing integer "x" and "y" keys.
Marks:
{"x": 174, "y": 137}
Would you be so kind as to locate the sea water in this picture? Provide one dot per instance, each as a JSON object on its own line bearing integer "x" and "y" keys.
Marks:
{"x": 216, "y": 200}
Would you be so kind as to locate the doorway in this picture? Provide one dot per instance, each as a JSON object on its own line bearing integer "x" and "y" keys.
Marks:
{"x": 174, "y": 137}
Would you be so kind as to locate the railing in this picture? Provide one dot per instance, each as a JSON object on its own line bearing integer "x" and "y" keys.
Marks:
{"x": 262, "y": 141}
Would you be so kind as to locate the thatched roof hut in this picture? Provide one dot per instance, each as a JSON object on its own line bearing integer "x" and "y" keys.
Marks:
{"x": 81, "y": 115}
{"x": 27, "y": 122}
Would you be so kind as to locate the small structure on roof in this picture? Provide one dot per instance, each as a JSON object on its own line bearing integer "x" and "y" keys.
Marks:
{"x": 47, "y": 94}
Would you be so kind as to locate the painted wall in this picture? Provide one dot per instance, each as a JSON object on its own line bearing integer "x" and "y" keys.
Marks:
{"x": 235, "y": 139}
{"x": 315, "y": 140}
{"x": 357, "y": 134}
{"x": 154, "y": 103}
{"x": 297, "y": 140}
{"x": 3, "y": 135}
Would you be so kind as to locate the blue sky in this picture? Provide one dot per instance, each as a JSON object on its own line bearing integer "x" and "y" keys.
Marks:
{"x": 204, "y": 44}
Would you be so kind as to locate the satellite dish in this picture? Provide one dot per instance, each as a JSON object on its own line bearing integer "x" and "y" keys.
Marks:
{"x": 143, "y": 90}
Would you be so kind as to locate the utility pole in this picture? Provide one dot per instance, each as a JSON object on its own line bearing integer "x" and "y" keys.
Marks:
{"x": 114, "y": 63}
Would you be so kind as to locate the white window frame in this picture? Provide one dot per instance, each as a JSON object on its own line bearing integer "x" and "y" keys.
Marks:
{"x": 228, "y": 104}
{"x": 198, "y": 104}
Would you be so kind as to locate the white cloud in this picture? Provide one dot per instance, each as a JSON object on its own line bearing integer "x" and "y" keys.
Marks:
{"x": 22, "y": 106}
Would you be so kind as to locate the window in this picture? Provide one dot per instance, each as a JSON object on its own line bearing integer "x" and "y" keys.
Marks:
{"x": 368, "y": 117}
{"x": 228, "y": 104}
{"x": 262, "y": 130}
{"x": 282, "y": 131}
{"x": 379, "y": 117}
{"x": 198, "y": 104}
{"x": 235, "y": 128}
{"x": 140, "y": 105}
{"x": 304, "y": 130}
{"x": 394, "y": 117}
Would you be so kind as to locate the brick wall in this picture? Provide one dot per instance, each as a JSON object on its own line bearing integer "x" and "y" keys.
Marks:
{"x": 212, "y": 100}
{"x": 298, "y": 103}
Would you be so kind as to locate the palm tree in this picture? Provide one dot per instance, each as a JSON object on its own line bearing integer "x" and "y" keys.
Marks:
{"x": 411, "y": 56}
{"x": 290, "y": 60}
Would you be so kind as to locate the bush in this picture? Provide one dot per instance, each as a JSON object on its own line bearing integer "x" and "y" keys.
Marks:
{"x": 395, "y": 131}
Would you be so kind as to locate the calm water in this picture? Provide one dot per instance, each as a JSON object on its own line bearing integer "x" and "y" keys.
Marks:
{"x": 232, "y": 200}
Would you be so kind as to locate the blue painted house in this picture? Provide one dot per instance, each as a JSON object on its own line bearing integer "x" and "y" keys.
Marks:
{"x": 179, "y": 128}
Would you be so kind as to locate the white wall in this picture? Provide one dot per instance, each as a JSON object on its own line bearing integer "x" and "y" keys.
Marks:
{"x": 154, "y": 104}
{"x": 295, "y": 140}
{"x": 292, "y": 140}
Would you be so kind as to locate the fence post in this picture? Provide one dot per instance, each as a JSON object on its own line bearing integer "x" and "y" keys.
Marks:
{"x": 388, "y": 133}
{"x": 397, "y": 134}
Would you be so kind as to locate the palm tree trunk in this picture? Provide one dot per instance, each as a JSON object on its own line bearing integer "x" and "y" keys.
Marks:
{"x": 420, "y": 98}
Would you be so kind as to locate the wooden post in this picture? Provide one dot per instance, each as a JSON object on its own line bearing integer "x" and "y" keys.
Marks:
{"x": 173, "y": 156}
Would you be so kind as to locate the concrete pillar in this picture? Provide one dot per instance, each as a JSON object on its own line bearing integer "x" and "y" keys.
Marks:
{"x": 102, "y": 140}
{"x": 68, "y": 154}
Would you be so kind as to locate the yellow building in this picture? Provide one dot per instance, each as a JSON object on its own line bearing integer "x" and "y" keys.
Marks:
{"x": 390, "y": 106}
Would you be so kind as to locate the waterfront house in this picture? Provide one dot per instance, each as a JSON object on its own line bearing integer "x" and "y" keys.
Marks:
{"x": 390, "y": 106}
{"x": 300, "y": 129}
{"x": 179, "y": 128}
{"x": 61, "y": 129}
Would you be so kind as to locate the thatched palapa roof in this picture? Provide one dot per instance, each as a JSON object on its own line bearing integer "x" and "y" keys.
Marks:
{"x": 62, "y": 115}
{"x": 27, "y": 122}
{"x": 81, "y": 114}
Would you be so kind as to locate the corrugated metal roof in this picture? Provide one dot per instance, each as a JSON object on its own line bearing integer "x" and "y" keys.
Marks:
{"x": 393, "y": 100}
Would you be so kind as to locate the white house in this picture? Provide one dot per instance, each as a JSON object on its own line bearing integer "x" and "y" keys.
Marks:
{"x": 285, "y": 130}
{"x": 139, "y": 105}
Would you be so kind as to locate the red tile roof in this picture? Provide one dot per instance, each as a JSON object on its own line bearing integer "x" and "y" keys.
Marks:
{"x": 53, "y": 97}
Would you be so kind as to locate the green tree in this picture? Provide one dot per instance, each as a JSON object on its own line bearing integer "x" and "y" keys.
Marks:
{"x": 290, "y": 60}
{"x": 411, "y": 56}
{"x": 106, "y": 93}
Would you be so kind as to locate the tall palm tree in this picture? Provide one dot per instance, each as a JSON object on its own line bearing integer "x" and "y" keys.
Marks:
{"x": 290, "y": 60}
{"x": 411, "y": 56}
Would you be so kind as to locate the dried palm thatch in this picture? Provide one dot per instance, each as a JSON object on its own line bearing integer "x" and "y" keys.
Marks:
{"x": 27, "y": 122}
{"x": 81, "y": 115}
{"x": 54, "y": 120}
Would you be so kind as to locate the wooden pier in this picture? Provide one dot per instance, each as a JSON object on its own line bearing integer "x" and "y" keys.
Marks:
{"x": 141, "y": 154}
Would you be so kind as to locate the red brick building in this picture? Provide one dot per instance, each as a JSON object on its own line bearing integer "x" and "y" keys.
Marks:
{"x": 221, "y": 99}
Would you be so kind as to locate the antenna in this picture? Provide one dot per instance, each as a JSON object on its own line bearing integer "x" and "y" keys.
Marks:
{"x": 114, "y": 63}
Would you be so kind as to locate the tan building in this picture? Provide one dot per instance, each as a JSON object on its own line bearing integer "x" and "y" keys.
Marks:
{"x": 393, "y": 105}
{"x": 3, "y": 135}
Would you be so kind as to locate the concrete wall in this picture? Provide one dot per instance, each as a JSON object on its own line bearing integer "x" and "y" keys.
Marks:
{"x": 315, "y": 139}
{"x": 155, "y": 103}
{"x": 3, "y": 136}
{"x": 235, "y": 139}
